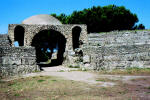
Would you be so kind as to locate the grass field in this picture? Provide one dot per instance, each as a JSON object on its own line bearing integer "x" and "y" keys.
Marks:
{"x": 128, "y": 71}
{"x": 54, "y": 88}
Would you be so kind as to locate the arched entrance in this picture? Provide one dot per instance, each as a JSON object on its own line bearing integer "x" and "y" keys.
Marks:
{"x": 75, "y": 36}
{"x": 19, "y": 35}
{"x": 50, "y": 47}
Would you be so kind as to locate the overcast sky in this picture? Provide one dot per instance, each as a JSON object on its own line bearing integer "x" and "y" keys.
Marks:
{"x": 15, "y": 11}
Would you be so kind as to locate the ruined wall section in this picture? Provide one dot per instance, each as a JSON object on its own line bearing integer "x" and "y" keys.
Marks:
{"x": 16, "y": 60}
{"x": 118, "y": 49}
{"x": 66, "y": 30}
{"x": 4, "y": 40}
{"x": 32, "y": 30}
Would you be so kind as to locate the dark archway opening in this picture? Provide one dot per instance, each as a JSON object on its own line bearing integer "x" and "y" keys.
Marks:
{"x": 50, "y": 47}
{"x": 75, "y": 37}
{"x": 19, "y": 35}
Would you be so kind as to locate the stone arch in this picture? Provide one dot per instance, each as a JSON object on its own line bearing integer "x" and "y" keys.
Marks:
{"x": 76, "y": 31}
{"x": 19, "y": 32}
{"x": 49, "y": 43}
{"x": 38, "y": 29}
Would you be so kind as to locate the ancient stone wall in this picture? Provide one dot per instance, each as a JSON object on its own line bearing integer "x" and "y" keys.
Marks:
{"x": 16, "y": 60}
{"x": 4, "y": 40}
{"x": 118, "y": 49}
{"x": 32, "y": 30}
{"x": 66, "y": 30}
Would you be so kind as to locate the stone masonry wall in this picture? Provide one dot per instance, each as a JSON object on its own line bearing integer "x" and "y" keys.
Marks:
{"x": 4, "y": 40}
{"x": 118, "y": 49}
{"x": 17, "y": 60}
{"x": 65, "y": 30}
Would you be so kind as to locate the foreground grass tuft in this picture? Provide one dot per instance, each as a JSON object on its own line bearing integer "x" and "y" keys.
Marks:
{"x": 149, "y": 87}
{"x": 17, "y": 95}
{"x": 105, "y": 80}
{"x": 41, "y": 80}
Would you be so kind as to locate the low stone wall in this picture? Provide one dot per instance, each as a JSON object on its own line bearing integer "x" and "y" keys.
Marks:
{"x": 17, "y": 60}
{"x": 118, "y": 49}
{"x": 4, "y": 40}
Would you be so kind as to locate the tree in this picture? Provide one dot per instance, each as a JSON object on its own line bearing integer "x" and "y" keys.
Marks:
{"x": 139, "y": 27}
{"x": 62, "y": 17}
{"x": 102, "y": 19}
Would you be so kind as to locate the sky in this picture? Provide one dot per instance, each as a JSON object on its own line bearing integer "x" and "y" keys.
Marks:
{"x": 15, "y": 11}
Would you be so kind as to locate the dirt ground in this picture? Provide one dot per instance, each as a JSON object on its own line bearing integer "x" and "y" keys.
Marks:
{"x": 60, "y": 83}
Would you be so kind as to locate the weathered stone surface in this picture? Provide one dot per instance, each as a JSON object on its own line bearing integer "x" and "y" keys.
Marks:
{"x": 96, "y": 51}
{"x": 13, "y": 70}
{"x": 86, "y": 59}
{"x": 21, "y": 58}
{"x": 73, "y": 61}
{"x": 17, "y": 60}
{"x": 65, "y": 30}
{"x": 70, "y": 53}
{"x": 118, "y": 49}
{"x": 4, "y": 40}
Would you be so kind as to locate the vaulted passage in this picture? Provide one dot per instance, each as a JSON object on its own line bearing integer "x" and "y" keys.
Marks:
{"x": 75, "y": 36}
{"x": 19, "y": 35}
{"x": 50, "y": 47}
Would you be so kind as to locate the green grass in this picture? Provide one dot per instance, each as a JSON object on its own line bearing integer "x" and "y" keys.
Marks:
{"x": 54, "y": 80}
{"x": 41, "y": 80}
{"x": 101, "y": 80}
{"x": 74, "y": 66}
{"x": 149, "y": 87}
{"x": 17, "y": 95}
{"x": 105, "y": 80}
{"x": 127, "y": 71}
{"x": 53, "y": 88}
{"x": 61, "y": 71}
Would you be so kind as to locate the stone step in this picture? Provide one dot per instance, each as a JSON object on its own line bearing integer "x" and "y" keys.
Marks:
{"x": 116, "y": 44}
{"x": 4, "y": 41}
{"x": 121, "y": 39}
{"x": 4, "y": 44}
{"x": 118, "y": 50}
{"x": 122, "y": 64}
{"x": 3, "y": 35}
{"x": 99, "y": 45}
{"x": 139, "y": 37}
{"x": 142, "y": 56}
{"x": 118, "y": 34}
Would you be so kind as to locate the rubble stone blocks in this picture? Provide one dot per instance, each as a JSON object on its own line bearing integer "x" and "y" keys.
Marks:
{"x": 118, "y": 49}
{"x": 17, "y": 61}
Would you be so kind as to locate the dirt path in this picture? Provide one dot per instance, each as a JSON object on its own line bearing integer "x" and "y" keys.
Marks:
{"x": 87, "y": 77}
{"x": 71, "y": 74}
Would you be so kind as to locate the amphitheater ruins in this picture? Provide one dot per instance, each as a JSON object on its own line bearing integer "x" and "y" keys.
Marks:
{"x": 69, "y": 45}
